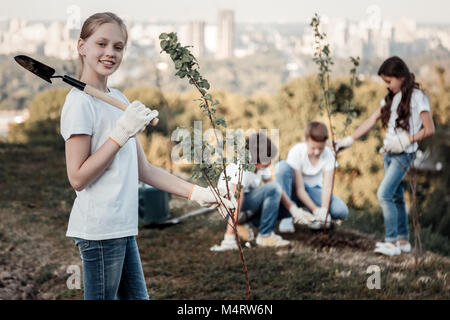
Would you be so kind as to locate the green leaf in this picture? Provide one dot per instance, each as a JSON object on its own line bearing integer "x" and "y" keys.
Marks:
{"x": 181, "y": 74}
{"x": 221, "y": 121}
{"x": 178, "y": 64}
{"x": 205, "y": 84}
{"x": 163, "y": 36}
{"x": 164, "y": 44}
{"x": 187, "y": 58}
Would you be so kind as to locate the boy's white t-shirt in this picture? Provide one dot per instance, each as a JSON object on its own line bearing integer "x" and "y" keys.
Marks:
{"x": 108, "y": 207}
{"x": 250, "y": 180}
{"x": 419, "y": 103}
{"x": 312, "y": 175}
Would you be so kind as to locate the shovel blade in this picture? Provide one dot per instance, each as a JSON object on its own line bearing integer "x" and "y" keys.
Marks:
{"x": 41, "y": 70}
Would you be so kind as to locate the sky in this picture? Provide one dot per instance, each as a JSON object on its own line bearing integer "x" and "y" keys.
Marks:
{"x": 265, "y": 11}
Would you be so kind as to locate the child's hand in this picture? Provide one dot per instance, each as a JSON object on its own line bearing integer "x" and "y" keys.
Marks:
{"x": 345, "y": 143}
{"x": 320, "y": 213}
{"x": 207, "y": 198}
{"x": 300, "y": 215}
{"x": 133, "y": 121}
{"x": 223, "y": 192}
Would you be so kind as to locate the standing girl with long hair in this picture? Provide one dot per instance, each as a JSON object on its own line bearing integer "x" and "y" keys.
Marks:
{"x": 405, "y": 113}
{"x": 105, "y": 163}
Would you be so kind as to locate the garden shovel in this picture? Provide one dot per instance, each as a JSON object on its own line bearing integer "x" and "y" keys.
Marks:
{"x": 47, "y": 73}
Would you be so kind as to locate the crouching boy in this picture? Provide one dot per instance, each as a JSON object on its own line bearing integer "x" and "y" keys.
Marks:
{"x": 306, "y": 179}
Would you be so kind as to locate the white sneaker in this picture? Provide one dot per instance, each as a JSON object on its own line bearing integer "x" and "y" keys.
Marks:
{"x": 286, "y": 226}
{"x": 271, "y": 240}
{"x": 380, "y": 243}
{"x": 228, "y": 243}
{"x": 388, "y": 249}
{"x": 404, "y": 247}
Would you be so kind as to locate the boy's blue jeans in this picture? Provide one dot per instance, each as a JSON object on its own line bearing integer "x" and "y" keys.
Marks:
{"x": 390, "y": 196}
{"x": 112, "y": 269}
{"x": 264, "y": 199}
{"x": 285, "y": 177}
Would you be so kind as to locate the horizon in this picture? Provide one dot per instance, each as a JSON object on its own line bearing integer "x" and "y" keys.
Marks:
{"x": 432, "y": 12}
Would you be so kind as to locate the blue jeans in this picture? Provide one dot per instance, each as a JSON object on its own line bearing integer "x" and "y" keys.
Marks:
{"x": 266, "y": 200}
{"x": 112, "y": 269}
{"x": 390, "y": 196}
{"x": 285, "y": 177}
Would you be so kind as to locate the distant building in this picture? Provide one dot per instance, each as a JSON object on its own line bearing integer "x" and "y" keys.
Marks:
{"x": 225, "y": 34}
{"x": 367, "y": 39}
{"x": 196, "y": 37}
{"x": 211, "y": 39}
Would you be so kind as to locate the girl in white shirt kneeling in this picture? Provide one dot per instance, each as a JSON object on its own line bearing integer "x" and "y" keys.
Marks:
{"x": 263, "y": 201}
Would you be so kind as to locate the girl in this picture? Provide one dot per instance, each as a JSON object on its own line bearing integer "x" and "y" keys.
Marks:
{"x": 405, "y": 112}
{"x": 105, "y": 162}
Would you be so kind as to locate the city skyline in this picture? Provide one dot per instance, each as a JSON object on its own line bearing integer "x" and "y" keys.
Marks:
{"x": 367, "y": 38}
{"x": 248, "y": 11}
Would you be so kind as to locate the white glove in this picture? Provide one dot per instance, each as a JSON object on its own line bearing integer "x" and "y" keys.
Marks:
{"x": 397, "y": 144}
{"x": 207, "y": 198}
{"x": 133, "y": 121}
{"x": 300, "y": 215}
{"x": 224, "y": 194}
{"x": 345, "y": 143}
{"x": 320, "y": 214}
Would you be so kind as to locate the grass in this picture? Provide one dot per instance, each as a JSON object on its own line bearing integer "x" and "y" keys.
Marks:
{"x": 301, "y": 272}
{"x": 35, "y": 204}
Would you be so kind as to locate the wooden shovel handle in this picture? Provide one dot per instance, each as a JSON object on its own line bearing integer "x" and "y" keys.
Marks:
{"x": 112, "y": 101}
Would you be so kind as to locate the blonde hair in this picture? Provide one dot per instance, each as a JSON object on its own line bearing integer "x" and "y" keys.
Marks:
{"x": 90, "y": 26}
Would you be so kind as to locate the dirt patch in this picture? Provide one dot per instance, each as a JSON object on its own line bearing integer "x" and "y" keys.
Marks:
{"x": 17, "y": 284}
{"x": 333, "y": 238}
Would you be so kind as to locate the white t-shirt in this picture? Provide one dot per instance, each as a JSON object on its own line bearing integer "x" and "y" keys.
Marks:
{"x": 108, "y": 207}
{"x": 250, "y": 180}
{"x": 298, "y": 159}
{"x": 419, "y": 103}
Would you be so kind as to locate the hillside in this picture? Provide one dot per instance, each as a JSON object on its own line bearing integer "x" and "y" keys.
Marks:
{"x": 35, "y": 202}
